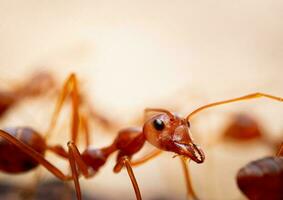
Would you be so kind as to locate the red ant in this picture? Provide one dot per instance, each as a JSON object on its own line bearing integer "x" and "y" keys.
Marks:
{"x": 166, "y": 131}
{"x": 38, "y": 84}
{"x": 263, "y": 179}
{"x": 246, "y": 128}
{"x": 243, "y": 127}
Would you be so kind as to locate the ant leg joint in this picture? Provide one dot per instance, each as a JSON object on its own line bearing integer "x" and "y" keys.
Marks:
{"x": 70, "y": 143}
{"x": 120, "y": 164}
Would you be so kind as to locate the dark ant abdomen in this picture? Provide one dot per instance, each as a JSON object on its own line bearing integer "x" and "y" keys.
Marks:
{"x": 262, "y": 179}
{"x": 14, "y": 160}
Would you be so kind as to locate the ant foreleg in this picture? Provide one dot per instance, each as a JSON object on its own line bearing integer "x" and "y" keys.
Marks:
{"x": 146, "y": 157}
{"x": 246, "y": 97}
{"x": 190, "y": 190}
{"x": 156, "y": 153}
{"x": 126, "y": 161}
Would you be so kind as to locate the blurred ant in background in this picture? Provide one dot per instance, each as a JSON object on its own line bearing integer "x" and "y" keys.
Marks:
{"x": 24, "y": 148}
{"x": 254, "y": 178}
{"x": 244, "y": 128}
{"x": 39, "y": 84}
{"x": 263, "y": 178}
{"x": 36, "y": 85}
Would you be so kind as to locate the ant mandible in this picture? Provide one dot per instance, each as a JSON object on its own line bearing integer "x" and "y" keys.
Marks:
{"x": 36, "y": 85}
{"x": 166, "y": 131}
{"x": 263, "y": 178}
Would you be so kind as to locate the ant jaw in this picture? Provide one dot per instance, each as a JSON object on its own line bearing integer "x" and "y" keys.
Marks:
{"x": 191, "y": 151}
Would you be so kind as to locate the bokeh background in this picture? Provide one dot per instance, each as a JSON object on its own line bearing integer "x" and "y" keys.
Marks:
{"x": 130, "y": 55}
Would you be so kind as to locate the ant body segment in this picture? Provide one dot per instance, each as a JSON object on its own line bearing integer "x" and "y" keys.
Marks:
{"x": 243, "y": 127}
{"x": 165, "y": 131}
{"x": 263, "y": 178}
{"x": 246, "y": 128}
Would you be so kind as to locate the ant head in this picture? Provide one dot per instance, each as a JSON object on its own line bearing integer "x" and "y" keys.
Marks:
{"x": 170, "y": 132}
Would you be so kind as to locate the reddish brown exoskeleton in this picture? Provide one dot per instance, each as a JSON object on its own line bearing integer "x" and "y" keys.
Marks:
{"x": 23, "y": 148}
{"x": 165, "y": 131}
{"x": 246, "y": 128}
{"x": 38, "y": 84}
{"x": 243, "y": 127}
{"x": 263, "y": 179}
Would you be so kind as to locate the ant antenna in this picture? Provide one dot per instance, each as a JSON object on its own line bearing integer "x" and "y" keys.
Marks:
{"x": 246, "y": 97}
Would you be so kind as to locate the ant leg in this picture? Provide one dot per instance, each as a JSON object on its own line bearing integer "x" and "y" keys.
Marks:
{"x": 190, "y": 190}
{"x": 85, "y": 127}
{"x": 246, "y": 97}
{"x": 70, "y": 87}
{"x": 126, "y": 161}
{"x": 146, "y": 158}
{"x": 75, "y": 158}
{"x": 75, "y": 174}
{"x": 35, "y": 155}
{"x": 154, "y": 154}
{"x": 280, "y": 151}
{"x": 58, "y": 150}
{"x": 73, "y": 150}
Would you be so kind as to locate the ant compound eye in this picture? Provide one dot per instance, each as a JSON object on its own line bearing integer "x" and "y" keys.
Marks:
{"x": 158, "y": 124}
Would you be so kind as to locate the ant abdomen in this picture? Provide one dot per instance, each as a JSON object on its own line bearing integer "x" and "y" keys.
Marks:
{"x": 262, "y": 179}
{"x": 13, "y": 159}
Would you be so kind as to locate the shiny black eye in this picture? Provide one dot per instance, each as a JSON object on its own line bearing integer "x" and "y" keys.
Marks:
{"x": 158, "y": 124}
{"x": 189, "y": 124}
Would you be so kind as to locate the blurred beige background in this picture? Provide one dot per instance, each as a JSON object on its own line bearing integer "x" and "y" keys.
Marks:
{"x": 135, "y": 54}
